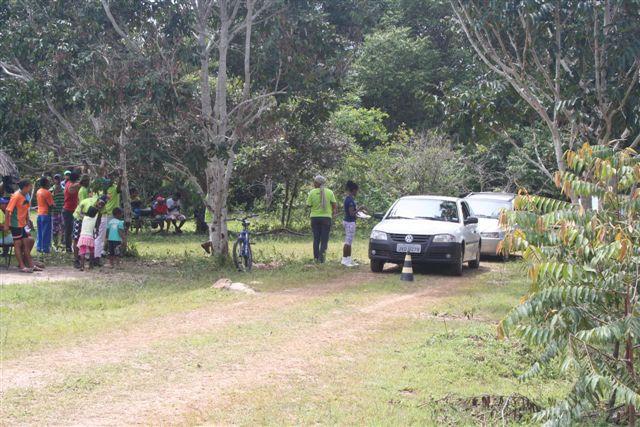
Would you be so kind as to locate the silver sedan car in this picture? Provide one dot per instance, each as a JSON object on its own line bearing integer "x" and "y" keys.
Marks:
{"x": 487, "y": 208}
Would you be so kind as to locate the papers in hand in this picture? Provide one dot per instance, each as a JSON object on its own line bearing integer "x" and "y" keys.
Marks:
{"x": 363, "y": 215}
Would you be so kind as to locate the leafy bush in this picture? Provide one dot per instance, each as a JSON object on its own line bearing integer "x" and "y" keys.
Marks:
{"x": 364, "y": 125}
{"x": 582, "y": 307}
{"x": 409, "y": 164}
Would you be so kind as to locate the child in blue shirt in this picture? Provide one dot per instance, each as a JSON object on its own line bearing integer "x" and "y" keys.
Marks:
{"x": 349, "y": 223}
{"x": 116, "y": 236}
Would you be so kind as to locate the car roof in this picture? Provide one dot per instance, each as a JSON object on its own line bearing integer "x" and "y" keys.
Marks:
{"x": 491, "y": 195}
{"x": 430, "y": 197}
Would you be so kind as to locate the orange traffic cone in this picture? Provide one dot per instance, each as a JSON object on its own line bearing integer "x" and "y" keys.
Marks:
{"x": 407, "y": 269}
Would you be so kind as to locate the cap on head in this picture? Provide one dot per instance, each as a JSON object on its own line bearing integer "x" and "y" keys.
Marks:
{"x": 4, "y": 201}
{"x": 67, "y": 172}
{"x": 57, "y": 176}
{"x": 320, "y": 180}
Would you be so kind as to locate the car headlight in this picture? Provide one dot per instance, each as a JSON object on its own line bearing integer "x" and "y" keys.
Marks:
{"x": 378, "y": 235}
{"x": 444, "y": 238}
{"x": 492, "y": 235}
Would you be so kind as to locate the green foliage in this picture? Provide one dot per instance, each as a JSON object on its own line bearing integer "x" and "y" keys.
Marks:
{"x": 583, "y": 266}
{"x": 398, "y": 72}
{"x": 364, "y": 125}
{"x": 293, "y": 145}
{"x": 409, "y": 164}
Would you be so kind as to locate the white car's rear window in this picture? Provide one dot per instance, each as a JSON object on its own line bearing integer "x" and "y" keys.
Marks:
{"x": 485, "y": 208}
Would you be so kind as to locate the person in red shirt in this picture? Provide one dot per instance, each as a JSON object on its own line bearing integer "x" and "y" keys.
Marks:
{"x": 17, "y": 219}
{"x": 71, "y": 189}
{"x": 160, "y": 212}
{"x": 45, "y": 203}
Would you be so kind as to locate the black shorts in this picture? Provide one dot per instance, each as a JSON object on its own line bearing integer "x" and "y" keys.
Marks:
{"x": 77, "y": 225}
{"x": 115, "y": 248}
{"x": 19, "y": 233}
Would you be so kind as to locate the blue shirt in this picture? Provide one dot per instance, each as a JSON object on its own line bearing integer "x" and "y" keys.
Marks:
{"x": 349, "y": 202}
{"x": 113, "y": 226}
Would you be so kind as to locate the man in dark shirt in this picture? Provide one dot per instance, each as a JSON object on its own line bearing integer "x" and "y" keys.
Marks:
{"x": 349, "y": 222}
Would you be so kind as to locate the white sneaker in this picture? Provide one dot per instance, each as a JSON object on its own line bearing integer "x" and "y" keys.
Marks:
{"x": 348, "y": 262}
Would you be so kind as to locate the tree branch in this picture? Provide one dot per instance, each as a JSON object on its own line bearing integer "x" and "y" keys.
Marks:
{"x": 65, "y": 123}
{"x": 123, "y": 34}
{"x": 16, "y": 71}
{"x": 538, "y": 164}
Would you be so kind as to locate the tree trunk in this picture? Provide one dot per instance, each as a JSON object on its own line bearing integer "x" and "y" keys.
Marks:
{"x": 285, "y": 202}
{"x": 292, "y": 198}
{"x": 217, "y": 205}
{"x": 268, "y": 192}
{"x": 628, "y": 308}
{"x": 612, "y": 398}
{"x": 199, "y": 216}
{"x": 124, "y": 188}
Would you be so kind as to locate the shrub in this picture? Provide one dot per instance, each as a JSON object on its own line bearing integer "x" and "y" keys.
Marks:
{"x": 582, "y": 307}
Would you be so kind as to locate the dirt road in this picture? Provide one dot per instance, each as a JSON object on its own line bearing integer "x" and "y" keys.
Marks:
{"x": 178, "y": 368}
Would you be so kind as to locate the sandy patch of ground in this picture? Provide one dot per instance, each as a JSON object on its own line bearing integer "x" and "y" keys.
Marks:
{"x": 191, "y": 396}
{"x": 45, "y": 366}
{"x": 51, "y": 274}
{"x": 194, "y": 394}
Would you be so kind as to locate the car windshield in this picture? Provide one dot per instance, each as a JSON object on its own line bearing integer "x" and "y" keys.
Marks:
{"x": 486, "y": 208}
{"x": 434, "y": 209}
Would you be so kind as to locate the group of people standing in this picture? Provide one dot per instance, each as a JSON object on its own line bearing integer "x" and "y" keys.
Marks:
{"x": 84, "y": 218}
{"x": 323, "y": 207}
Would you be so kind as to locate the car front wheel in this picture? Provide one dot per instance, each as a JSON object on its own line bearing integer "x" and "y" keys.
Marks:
{"x": 377, "y": 265}
{"x": 456, "y": 269}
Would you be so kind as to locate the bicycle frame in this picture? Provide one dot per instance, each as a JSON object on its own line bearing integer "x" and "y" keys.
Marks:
{"x": 244, "y": 238}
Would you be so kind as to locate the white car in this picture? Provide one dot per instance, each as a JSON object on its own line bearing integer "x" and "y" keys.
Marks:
{"x": 487, "y": 208}
{"x": 433, "y": 229}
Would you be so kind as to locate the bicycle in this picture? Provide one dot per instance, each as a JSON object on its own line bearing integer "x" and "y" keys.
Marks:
{"x": 242, "y": 255}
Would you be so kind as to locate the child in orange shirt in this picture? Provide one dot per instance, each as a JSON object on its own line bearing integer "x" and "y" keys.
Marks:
{"x": 17, "y": 219}
{"x": 45, "y": 203}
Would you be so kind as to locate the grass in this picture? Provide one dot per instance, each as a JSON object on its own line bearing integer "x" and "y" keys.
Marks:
{"x": 173, "y": 274}
{"x": 400, "y": 376}
{"x": 406, "y": 370}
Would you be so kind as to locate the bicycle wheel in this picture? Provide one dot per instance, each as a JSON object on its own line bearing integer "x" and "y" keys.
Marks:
{"x": 242, "y": 256}
{"x": 248, "y": 258}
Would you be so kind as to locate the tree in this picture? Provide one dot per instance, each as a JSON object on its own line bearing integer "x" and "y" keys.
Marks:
{"x": 582, "y": 310}
{"x": 291, "y": 147}
{"x": 364, "y": 125}
{"x": 398, "y": 73}
{"x": 223, "y": 120}
{"x": 222, "y": 128}
{"x": 575, "y": 63}
{"x": 407, "y": 164}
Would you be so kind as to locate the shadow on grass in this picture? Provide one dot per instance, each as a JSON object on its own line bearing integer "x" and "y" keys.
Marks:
{"x": 442, "y": 270}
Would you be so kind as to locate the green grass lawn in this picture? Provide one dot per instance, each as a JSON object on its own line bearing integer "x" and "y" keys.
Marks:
{"x": 171, "y": 274}
{"x": 407, "y": 370}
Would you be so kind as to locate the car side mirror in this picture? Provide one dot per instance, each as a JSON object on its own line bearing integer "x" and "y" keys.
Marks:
{"x": 471, "y": 220}
{"x": 378, "y": 215}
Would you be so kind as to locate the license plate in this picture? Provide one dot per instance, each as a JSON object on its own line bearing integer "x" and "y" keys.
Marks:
{"x": 412, "y": 249}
